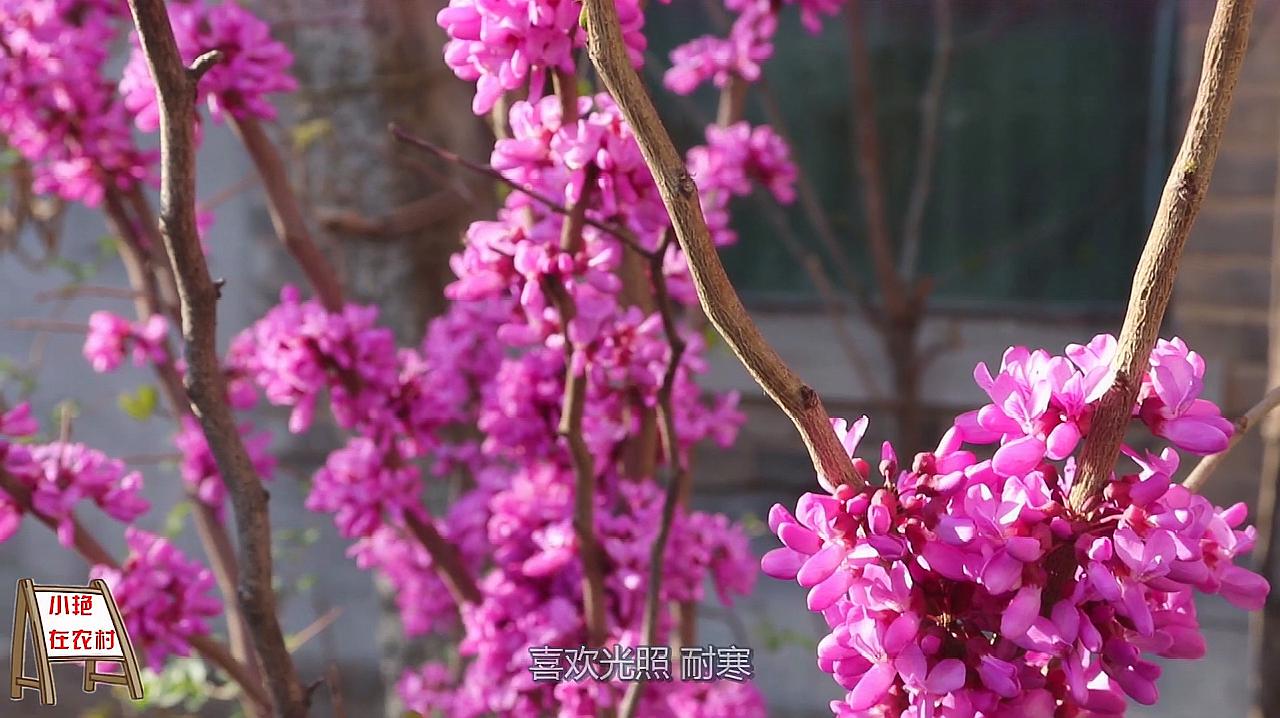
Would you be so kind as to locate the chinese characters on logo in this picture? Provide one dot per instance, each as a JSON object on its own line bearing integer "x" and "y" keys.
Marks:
{"x": 639, "y": 663}
{"x": 62, "y": 604}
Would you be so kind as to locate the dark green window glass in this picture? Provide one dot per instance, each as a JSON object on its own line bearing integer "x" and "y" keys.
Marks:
{"x": 1053, "y": 142}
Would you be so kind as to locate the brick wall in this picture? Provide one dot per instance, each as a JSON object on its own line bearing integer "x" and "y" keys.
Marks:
{"x": 1223, "y": 289}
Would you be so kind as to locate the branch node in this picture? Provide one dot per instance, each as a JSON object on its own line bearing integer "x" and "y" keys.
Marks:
{"x": 203, "y": 64}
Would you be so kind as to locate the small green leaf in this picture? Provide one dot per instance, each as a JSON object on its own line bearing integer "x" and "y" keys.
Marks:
{"x": 79, "y": 272}
{"x": 139, "y": 404}
{"x": 306, "y": 133}
{"x": 108, "y": 246}
{"x": 175, "y": 520}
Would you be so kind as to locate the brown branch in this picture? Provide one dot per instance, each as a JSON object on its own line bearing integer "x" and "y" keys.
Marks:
{"x": 677, "y": 485}
{"x": 74, "y": 291}
{"x": 1203, "y": 470}
{"x": 811, "y": 204}
{"x": 627, "y": 236}
{"x": 718, "y": 298}
{"x": 286, "y": 213}
{"x": 448, "y": 562}
{"x": 926, "y": 152}
{"x": 870, "y": 168}
{"x": 571, "y": 416}
{"x": 1153, "y": 281}
{"x": 205, "y": 383}
{"x": 138, "y": 252}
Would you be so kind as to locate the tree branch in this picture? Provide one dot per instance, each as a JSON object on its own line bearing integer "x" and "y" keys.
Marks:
{"x": 1153, "y": 281}
{"x": 627, "y": 236}
{"x": 1203, "y": 470}
{"x": 677, "y": 484}
{"x": 286, "y": 213}
{"x": 870, "y": 170}
{"x": 446, "y": 559}
{"x": 571, "y": 416}
{"x": 137, "y": 252}
{"x": 205, "y": 383}
{"x": 718, "y": 298}
{"x": 926, "y": 152}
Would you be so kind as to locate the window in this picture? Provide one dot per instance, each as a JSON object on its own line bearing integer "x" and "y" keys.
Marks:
{"x": 1053, "y": 142}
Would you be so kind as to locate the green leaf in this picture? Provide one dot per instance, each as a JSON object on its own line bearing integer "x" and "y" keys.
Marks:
{"x": 182, "y": 682}
{"x": 307, "y": 133}
{"x": 78, "y": 271}
{"x": 139, "y": 404}
{"x": 108, "y": 247}
{"x": 175, "y": 520}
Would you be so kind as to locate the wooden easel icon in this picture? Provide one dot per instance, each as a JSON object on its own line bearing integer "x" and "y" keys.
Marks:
{"x": 27, "y": 614}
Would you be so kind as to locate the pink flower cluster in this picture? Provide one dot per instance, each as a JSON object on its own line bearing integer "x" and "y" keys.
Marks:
{"x": 111, "y": 336}
{"x": 58, "y": 476}
{"x": 496, "y": 361}
{"x": 748, "y": 45}
{"x": 721, "y": 60}
{"x": 56, "y": 109}
{"x": 965, "y": 586}
{"x": 735, "y": 159}
{"x": 253, "y": 64}
{"x": 506, "y": 45}
{"x": 164, "y": 597}
{"x": 199, "y": 469}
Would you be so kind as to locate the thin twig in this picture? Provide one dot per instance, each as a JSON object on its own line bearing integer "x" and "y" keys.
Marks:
{"x": 446, "y": 559}
{"x": 286, "y": 213}
{"x": 926, "y": 152}
{"x": 1153, "y": 281}
{"x": 1203, "y": 470}
{"x": 681, "y": 477}
{"x": 870, "y": 167}
{"x": 205, "y": 383}
{"x": 718, "y": 298}
{"x": 627, "y": 236}
{"x": 831, "y": 302}
{"x": 571, "y": 416}
{"x": 46, "y": 325}
{"x": 73, "y": 291}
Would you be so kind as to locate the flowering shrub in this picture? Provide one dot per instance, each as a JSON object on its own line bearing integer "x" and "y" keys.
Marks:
{"x": 56, "y": 108}
{"x": 960, "y": 586}
{"x": 955, "y": 586}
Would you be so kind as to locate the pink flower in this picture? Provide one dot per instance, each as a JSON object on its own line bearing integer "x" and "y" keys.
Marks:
{"x": 199, "y": 469}
{"x": 253, "y": 65}
{"x": 56, "y": 109}
{"x": 1170, "y": 404}
{"x": 61, "y": 475}
{"x": 110, "y": 336}
{"x": 504, "y": 45}
{"x": 163, "y": 596}
{"x": 936, "y": 585}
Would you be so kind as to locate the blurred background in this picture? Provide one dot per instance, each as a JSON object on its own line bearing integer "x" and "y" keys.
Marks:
{"x": 1012, "y": 152}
